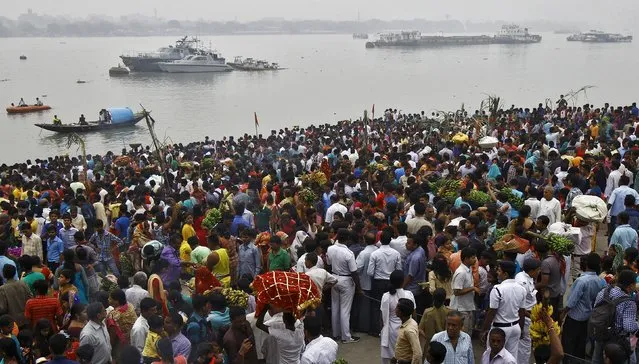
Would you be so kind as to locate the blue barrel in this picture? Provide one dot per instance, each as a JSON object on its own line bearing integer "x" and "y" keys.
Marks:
{"x": 120, "y": 115}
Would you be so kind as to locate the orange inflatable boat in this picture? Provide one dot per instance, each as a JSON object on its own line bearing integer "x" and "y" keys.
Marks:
{"x": 26, "y": 109}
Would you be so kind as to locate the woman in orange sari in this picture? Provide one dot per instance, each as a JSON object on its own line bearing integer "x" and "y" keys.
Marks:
{"x": 157, "y": 292}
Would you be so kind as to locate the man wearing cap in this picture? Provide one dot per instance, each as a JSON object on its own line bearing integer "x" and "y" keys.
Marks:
{"x": 507, "y": 307}
{"x": 526, "y": 279}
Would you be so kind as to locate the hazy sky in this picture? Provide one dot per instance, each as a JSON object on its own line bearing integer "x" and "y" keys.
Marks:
{"x": 617, "y": 13}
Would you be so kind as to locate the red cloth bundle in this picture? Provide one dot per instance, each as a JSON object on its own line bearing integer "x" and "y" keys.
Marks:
{"x": 293, "y": 292}
{"x": 205, "y": 280}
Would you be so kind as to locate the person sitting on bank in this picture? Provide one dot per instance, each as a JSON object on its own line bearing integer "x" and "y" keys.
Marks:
{"x": 38, "y": 102}
{"x": 22, "y": 103}
{"x": 83, "y": 120}
{"x": 56, "y": 121}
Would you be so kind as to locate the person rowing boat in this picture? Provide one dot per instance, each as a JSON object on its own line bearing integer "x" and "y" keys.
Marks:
{"x": 22, "y": 103}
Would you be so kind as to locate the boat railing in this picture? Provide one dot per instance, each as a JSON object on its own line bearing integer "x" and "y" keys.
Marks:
{"x": 140, "y": 54}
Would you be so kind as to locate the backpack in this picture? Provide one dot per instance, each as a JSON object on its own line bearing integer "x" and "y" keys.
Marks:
{"x": 602, "y": 319}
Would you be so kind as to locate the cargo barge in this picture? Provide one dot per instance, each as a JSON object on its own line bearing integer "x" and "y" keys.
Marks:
{"x": 509, "y": 34}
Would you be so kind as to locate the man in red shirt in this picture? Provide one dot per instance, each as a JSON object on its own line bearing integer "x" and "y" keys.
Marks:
{"x": 43, "y": 306}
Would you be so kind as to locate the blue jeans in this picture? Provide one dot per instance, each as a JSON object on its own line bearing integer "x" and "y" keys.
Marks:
{"x": 100, "y": 267}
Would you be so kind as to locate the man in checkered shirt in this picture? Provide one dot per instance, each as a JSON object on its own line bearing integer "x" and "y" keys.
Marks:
{"x": 626, "y": 312}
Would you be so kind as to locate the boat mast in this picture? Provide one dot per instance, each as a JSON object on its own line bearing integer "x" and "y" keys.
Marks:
{"x": 150, "y": 122}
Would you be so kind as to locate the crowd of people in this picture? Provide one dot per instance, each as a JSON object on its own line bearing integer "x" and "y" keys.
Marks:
{"x": 418, "y": 230}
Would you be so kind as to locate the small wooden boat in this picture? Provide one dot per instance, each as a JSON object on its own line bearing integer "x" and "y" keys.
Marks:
{"x": 92, "y": 125}
{"x": 26, "y": 109}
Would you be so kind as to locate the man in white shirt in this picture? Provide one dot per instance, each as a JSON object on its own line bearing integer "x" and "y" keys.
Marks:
{"x": 319, "y": 276}
{"x": 382, "y": 263}
{"x": 550, "y": 206}
{"x": 290, "y": 338}
{"x": 320, "y": 349}
{"x": 526, "y": 278}
{"x": 148, "y": 308}
{"x": 399, "y": 243}
{"x": 135, "y": 294}
{"x": 496, "y": 353}
{"x": 343, "y": 266}
{"x": 464, "y": 290}
{"x": 507, "y": 307}
{"x": 335, "y": 207}
{"x": 533, "y": 202}
{"x": 613, "y": 178}
{"x": 362, "y": 313}
{"x": 309, "y": 247}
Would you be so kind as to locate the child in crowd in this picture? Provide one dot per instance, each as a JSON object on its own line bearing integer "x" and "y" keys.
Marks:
{"x": 150, "y": 352}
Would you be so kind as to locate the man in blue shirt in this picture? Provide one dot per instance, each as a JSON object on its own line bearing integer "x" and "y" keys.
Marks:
{"x": 250, "y": 259}
{"x": 238, "y": 220}
{"x": 122, "y": 223}
{"x": 579, "y": 307}
{"x": 55, "y": 247}
{"x": 4, "y": 260}
{"x": 624, "y": 235}
{"x": 67, "y": 232}
{"x": 415, "y": 270}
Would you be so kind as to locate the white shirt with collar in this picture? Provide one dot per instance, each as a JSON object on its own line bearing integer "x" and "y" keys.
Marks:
{"x": 462, "y": 279}
{"x": 341, "y": 259}
{"x": 139, "y": 333}
{"x": 531, "y": 293}
{"x": 336, "y": 207}
{"x": 383, "y": 262}
{"x": 399, "y": 244}
{"x": 289, "y": 343}
{"x": 503, "y": 357}
{"x": 362, "y": 265}
{"x": 321, "y": 350}
{"x": 300, "y": 267}
{"x": 551, "y": 208}
{"x": 320, "y": 277}
{"x": 507, "y": 298}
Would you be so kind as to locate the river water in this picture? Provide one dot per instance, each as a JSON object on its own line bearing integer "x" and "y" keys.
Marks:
{"x": 328, "y": 78}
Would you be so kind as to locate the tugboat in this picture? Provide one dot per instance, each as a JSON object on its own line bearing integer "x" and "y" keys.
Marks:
{"x": 360, "y": 35}
{"x": 118, "y": 71}
{"x": 148, "y": 62}
{"x": 23, "y": 57}
{"x": 250, "y": 64}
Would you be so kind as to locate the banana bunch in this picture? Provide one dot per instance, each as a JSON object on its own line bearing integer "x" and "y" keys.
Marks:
{"x": 448, "y": 189}
{"x": 213, "y": 217}
{"x": 516, "y": 202}
{"x": 560, "y": 244}
{"x": 538, "y": 330}
{"x": 235, "y": 297}
{"x": 479, "y": 198}
{"x": 499, "y": 233}
{"x": 307, "y": 195}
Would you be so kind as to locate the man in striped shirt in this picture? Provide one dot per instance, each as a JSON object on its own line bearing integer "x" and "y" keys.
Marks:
{"x": 43, "y": 306}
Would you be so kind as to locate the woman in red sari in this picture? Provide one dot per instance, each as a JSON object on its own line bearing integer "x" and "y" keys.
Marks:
{"x": 200, "y": 232}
